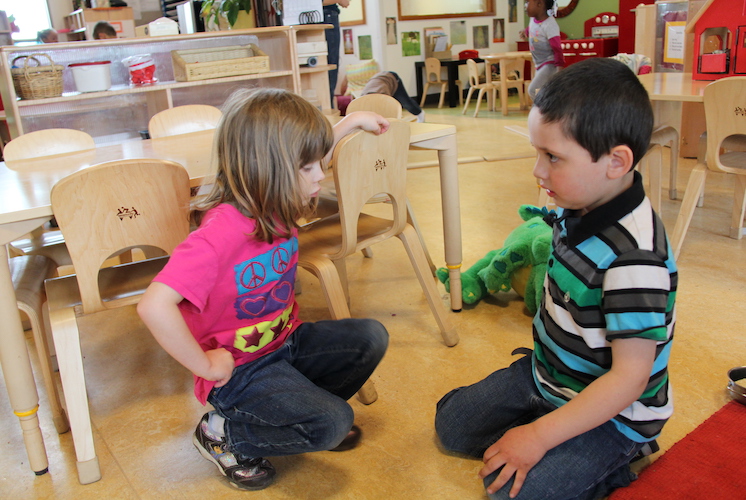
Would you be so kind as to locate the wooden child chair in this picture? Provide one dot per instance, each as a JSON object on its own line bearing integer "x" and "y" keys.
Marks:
{"x": 432, "y": 77}
{"x": 366, "y": 165}
{"x": 725, "y": 121}
{"x": 474, "y": 84}
{"x": 102, "y": 211}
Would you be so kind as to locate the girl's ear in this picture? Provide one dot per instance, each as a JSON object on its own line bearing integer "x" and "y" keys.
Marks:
{"x": 621, "y": 161}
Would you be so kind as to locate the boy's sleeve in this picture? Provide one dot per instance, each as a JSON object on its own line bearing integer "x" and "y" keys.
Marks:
{"x": 638, "y": 297}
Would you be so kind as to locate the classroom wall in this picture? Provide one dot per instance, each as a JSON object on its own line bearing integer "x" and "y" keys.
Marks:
{"x": 390, "y": 57}
{"x": 574, "y": 24}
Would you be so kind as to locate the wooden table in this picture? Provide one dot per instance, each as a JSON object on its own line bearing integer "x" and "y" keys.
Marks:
{"x": 503, "y": 59}
{"x": 668, "y": 91}
{"x": 24, "y": 206}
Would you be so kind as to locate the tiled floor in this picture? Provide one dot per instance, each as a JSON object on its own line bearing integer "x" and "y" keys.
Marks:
{"x": 144, "y": 413}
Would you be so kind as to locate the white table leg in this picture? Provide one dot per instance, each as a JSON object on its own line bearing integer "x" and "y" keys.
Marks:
{"x": 449, "y": 192}
{"x": 19, "y": 379}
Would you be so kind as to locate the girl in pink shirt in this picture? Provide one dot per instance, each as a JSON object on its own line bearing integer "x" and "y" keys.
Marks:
{"x": 224, "y": 305}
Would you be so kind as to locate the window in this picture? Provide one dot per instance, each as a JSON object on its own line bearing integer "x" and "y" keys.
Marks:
{"x": 31, "y": 16}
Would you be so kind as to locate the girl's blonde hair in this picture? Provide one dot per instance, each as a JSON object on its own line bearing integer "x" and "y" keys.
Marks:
{"x": 263, "y": 139}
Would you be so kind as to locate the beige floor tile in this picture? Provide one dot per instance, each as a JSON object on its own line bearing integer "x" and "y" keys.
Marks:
{"x": 143, "y": 410}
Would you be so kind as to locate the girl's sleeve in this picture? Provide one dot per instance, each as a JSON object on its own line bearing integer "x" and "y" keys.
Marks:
{"x": 559, "y": 56}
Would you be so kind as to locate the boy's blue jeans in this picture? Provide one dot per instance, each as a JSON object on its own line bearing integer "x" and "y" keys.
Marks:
{"x": 471, "y": 419}
{"x": 294, "y": 400}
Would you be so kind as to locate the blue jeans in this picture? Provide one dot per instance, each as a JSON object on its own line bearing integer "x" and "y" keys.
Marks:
{"x": 471, "y": 419}
{"x": 294, "y": 400}
{"x": 333, "y": 40}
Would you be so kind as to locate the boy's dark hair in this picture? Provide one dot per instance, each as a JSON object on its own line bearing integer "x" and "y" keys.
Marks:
{"x": 104, "y": 27}
{"x": 600, "y": 103}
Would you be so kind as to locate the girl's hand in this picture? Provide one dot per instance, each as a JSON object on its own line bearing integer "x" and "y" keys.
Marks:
{"x": 370, "y": 121}
{"x": 221, "y": 366}
{"x": 516, "y": 452}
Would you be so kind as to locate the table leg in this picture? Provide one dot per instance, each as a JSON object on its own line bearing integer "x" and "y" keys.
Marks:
{"x": 449, "y": 192}
{"x": 452, "y": 87}
{"x": 420, "y": 82}
{"x": 16, "y": 366}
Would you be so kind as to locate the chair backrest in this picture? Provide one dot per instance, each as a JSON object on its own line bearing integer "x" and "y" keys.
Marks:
{"x": 47, "y": 142}
{"x": 365, "y": 166}
{"x": 119, "y": 205}
{"x": 473, "y": 70}
{"x": 383, "y": 104}
{"x": 183, "y": 120}
{"x": 725, "y": 117}
{"x": 432, "y": 70}
{"x": 513, "y": 66}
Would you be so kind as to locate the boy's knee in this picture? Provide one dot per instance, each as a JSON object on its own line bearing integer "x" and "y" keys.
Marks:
{"x": 377, "y": 335}
{"x": 448, "y": 423}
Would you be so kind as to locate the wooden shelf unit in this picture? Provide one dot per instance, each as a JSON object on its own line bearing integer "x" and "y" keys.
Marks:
{"x": 121, "y": 112}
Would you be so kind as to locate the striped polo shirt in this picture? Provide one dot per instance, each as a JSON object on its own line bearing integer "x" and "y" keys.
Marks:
{"x": 611, "y": 275}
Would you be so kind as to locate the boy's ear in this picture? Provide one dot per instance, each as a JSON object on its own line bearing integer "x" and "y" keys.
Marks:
{"x": 621, "y": 161}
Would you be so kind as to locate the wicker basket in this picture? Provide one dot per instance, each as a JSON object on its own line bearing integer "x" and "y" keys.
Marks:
{"x": 203, "y": 64}
{"x": 37, "y": 81}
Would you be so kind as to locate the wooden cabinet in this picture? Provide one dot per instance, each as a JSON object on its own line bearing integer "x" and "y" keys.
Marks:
{"x": 121, "y": 112}
{"x": 81, "y": 22}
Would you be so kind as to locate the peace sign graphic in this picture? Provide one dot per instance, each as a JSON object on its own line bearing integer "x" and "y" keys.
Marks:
{"x": 253, "y": 275}
{"x": 280, "y": 260}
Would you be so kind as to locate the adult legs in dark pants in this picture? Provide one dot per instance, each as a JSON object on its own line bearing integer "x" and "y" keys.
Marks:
{"x": 333, "y": 39}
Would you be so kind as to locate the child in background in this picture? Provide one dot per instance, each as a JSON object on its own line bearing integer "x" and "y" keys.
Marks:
{"x": 103, "y": 31}
{"x": 544, "y": 42}
{"x": 224, "y": 305}
{"x": 566, "y": 420}
{"x": 389, "y": 83}
{"x": 48, "y": 35}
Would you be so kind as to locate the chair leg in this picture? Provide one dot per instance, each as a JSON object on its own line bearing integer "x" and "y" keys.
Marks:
{"x": 651, "y": 166}
{"x": 460, "y": 93}
{"x": 739, "y": 207}
{"x": 674, "y": 169}
{"x": 424, "y": 94}
{"x": 331, "y": 285}
{"x": 367, "y": 393}
{"x": 479, "y": 102}
{"x": 413, "y": 221}
{"x": 694, "y": 188}
{"x": 336, "y": 301}
{"x": 67, "y": 342}
{"x": 417, "y": 256}
{"x": 468, "y": 99}
{"x": 442, "y": 94}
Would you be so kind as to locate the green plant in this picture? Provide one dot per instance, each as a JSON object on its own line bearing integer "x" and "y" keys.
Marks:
{"x": 228, "y": 8}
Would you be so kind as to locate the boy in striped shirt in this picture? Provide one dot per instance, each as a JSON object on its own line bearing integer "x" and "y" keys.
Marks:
{"x": 566, "y": 421}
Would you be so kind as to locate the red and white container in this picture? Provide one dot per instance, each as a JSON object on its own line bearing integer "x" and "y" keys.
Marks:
{"x": 141, "y": 68}
{"x": 92, "y": 76}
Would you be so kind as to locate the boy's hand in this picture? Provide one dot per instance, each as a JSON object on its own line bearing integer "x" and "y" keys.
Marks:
{"x": 221, "y": 366}
{"x": 517, "y": 452}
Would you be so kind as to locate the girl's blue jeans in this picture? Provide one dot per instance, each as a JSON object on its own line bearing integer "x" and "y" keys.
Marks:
{"x": 471, "y": 419}
{"x": 294, "y": 400}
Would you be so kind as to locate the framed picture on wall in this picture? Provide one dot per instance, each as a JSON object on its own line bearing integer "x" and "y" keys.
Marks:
{"x": 498, "y": 30}
{"x": 481, "y": 37}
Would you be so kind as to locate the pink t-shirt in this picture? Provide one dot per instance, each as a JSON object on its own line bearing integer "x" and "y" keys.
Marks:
{"x": 238, "y": 291}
